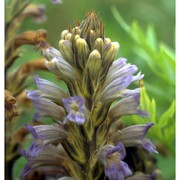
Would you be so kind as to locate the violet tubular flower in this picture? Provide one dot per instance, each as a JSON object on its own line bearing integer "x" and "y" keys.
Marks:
{"x": 75, "y": 108}
{"x": 111, "y": 157}
{"x": 98, "y": 96}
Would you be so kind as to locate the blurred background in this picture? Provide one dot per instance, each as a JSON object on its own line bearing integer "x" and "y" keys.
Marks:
{"x": 145, "y": 30}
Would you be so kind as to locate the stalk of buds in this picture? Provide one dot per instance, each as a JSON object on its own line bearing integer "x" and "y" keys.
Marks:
{"x": 82, "y": 143}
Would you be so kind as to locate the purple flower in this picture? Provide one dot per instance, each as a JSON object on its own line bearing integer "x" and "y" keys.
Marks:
{"x": 149, "y": 146}
{"x": 45, "y": 107}
{"x": 76, "y": 109}
{"x": 33, "y": 151}
{"x": 43, "y": 156}
{"x": 48, "y": 133}
{"x": 134, "y": 136}
{"x": 127, "y": 106}
{"x": 50, "y": 53}
{"x": 119, "y": 77}
{"x": 49, "y": 88}
{"x": 111, "y": 157}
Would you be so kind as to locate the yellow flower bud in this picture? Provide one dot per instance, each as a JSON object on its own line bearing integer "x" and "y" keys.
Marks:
{"x": 99, "y": 45}
{"x": 65, "y": 48}
{"x": 82, "y": 52}
{"x": 94, "y": 64}
{"x": 64, "y": 33}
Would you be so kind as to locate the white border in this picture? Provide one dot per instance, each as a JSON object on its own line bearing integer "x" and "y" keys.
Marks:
{"x": 2, "y": 119}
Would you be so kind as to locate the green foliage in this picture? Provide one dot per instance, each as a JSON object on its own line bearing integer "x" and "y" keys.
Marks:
{"x": 159, "y": 58}
{"x": 164, "y": 129}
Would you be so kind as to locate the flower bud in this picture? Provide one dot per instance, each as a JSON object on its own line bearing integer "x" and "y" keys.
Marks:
{"x": 108, "y": 55}
{"x": 68, "y": 36}
{"x": 50, "y": 53}
{"x": 110, "y": 50}
{"x": 82, "y": 52}
{"x": 91, "y": 22}
{"x": 64, "y": 33}
{"x": 107, "y": 40}
{"x": 98, "y": 45}
{"x": 76, "y": 37}
{"x": 94, "y": 64}
{"x": 65, "y": 47}
{"x": 76, "y": 30}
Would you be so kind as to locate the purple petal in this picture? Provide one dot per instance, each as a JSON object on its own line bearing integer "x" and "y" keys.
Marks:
{"x": 127, "y": 106}
{"x": 50, "y": 53}
{"x": 135, "y": 132}
{"x": 45, "y": 107}
{"x": 113, "y": 174}
{"x": 138, "y": 77}
{"x": 75, "y": 106}
{"x": 142, "y": 113}
{"x": 129, "y": 92}
{"x": 118, "y": 148}
{"x": 49, "y": 133}
{"x": 132, "y": 135}
{"x": 32, "y": 94}
{"x": 80, "y": 118}
{"x": 116, "y": 86}
{"x": 117, "y": 171}
{"x": 149, "y": 146}
{"x": 76, "y": 99}
{"x": 26, "y": 170}
{"x": 31, "y": 130}
{"x": 49, "y": 87}
{"x": 125, "y": 169}
{"x": 118, "y": 64}
{"x": 127, "y": 70}
{"x": 33, "y": 151}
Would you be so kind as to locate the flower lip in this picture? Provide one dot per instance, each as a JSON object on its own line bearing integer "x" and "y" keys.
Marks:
{"x": 75, "y": 106}
{"x": 148, "y": 126}
{"x": 31, "y": 130}
{"x": 111, "y": 157}
{"x": 118, "y": 148}
{"x": 149, "y": 146}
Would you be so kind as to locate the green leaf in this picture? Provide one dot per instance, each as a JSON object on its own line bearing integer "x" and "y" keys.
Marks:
{"x": 144, "y": 98}
{"x": 169, "y": 114}
{"x": 151, "y": 37}
{"x": 153, "y": 110}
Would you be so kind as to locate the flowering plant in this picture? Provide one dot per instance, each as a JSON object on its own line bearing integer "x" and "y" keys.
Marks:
{"x": 83, "y": 142}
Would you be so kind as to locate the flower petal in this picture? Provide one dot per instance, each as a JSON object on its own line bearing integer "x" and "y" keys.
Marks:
{"x": 132, "y": 135}
{"x": 49, "y": 88}
{"x": 48, "y": 133}
{"x": 75, "y": 106}
{"x": 116, "y": 86}
{"x": 45, "y": 107}
{"x": 149, "y": 146}
{"x": 50, "y": 53}
{"x": 127, "y": 106}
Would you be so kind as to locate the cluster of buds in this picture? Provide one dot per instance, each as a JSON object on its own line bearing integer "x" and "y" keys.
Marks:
{"x": 82, "y": 142}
